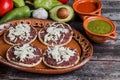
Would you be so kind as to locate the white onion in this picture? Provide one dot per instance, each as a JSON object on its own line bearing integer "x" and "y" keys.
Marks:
{"x": 40, "y": 13}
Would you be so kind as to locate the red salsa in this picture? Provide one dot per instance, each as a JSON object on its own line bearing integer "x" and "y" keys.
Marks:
{"x": 87, "y": 7}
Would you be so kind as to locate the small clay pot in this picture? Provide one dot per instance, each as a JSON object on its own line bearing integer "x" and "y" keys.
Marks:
{"x": 84, "y": 15}
{"x": 99, "y": 38}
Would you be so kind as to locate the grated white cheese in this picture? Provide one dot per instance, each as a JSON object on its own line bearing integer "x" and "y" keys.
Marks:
{"x": 25, "y": 51}
{"x": 2, "y": 27}
{"x": 54, "y": 32}
{"x": 21, "y": 30}
{"x": 60, "y": 54}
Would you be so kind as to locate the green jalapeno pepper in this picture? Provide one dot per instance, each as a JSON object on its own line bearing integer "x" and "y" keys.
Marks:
{"x": 17, "y": 13}
{"x": 47, "y": 4}
{"x": 19, "y": 3}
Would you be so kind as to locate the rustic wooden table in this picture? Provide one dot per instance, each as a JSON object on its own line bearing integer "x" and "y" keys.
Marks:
{"x": 104, "y": 65}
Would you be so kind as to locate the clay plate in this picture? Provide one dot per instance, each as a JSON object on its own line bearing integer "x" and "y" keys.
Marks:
{"x": 78, "y": 42}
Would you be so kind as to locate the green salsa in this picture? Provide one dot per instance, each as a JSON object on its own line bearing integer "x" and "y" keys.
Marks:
{"x": 99, "y": 26}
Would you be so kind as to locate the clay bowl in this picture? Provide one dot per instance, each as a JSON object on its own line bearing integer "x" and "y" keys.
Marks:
{"x": 94, "y": 6}
{"x": 99, "y": 38}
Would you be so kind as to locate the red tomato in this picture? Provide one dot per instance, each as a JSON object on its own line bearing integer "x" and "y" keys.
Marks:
{"x": 5, "y": 6}
{"x": 63, "y": 1}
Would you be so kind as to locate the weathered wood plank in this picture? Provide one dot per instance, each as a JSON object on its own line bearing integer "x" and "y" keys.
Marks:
{"x": 109, "y": 0}
{"x": 107, "y": 51}
{"x": 110, "y": 4}
{"x": 104, "y": 65}
{"x": 111, "y": 15}
{"x": 94, "y": 70}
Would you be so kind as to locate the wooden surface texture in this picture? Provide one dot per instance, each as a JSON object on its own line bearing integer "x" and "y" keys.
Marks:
{"x": 104, "y": 65}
